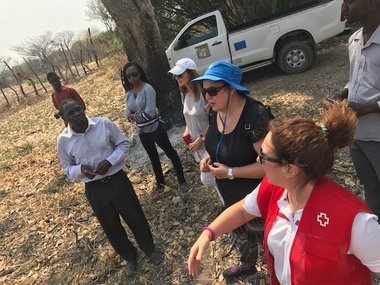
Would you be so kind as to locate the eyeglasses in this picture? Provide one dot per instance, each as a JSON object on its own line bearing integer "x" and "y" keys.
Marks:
{"x": 212, "y": 91}
{"x": 270, "y": 159}
{"x": 132, "y": 74}
{"x": 179, "y": 76}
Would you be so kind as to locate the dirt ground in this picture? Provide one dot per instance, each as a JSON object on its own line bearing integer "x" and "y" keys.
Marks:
{"x": 48, "y": 233}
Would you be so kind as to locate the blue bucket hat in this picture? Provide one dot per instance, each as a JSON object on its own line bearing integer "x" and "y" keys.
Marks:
{"x": 225, "y": 71}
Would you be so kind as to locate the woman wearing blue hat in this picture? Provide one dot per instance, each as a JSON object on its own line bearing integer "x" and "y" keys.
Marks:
{"x": 238, "y": 125}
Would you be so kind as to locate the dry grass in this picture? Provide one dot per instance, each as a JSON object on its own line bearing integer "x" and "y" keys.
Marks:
{"x": 48, "y": 234}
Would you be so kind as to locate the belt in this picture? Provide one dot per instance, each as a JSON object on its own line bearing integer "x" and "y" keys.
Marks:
{"x": 105, "y": 179}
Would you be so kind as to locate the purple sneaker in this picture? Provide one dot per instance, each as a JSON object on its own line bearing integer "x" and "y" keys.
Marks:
{"x": 239, "y": 270}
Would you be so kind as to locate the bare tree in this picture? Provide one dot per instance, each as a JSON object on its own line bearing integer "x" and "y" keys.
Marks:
{"x": 17, "y": 79}
{"x": 35, "y": 74}
{"x": 97, "y": 11}
{"x": 42, "y": 47}
{"x": 5, "y": 97}
{"x": 142, "y": 43}
{"x": 31, "y": 82}
{"x": 66, "y": 38}
{"x": 2, "y": 69}
{"x": 5, "y": 83}
{"x": 92, "y": 47}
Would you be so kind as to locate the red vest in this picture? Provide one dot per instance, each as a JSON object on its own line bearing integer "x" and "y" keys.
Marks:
{"x": 319, "y": 252}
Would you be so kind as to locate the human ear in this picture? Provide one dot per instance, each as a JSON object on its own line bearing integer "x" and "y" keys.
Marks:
{"x": 290, "y": 170}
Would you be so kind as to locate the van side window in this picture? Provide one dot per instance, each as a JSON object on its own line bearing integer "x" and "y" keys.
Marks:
{"x": 199, "y": 32}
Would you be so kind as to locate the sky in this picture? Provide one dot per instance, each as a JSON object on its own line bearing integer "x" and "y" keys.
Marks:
{"x": 21, "y": 20}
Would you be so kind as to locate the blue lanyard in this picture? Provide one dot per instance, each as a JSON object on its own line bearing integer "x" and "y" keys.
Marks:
{"x": 224, "y": 127}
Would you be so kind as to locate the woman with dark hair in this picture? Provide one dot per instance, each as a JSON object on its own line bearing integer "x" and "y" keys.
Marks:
{"x": 141, "y": 109}
{"x": 316, "y": 232}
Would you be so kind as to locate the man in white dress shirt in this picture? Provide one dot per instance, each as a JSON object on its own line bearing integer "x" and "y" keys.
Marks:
{"x": 93, "y": 151}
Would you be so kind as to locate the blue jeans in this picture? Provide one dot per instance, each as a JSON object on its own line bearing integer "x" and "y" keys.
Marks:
{"x": 366, "y": 158}
{"x": 160, "y": 137}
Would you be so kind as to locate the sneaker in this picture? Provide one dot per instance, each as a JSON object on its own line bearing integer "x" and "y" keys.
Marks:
{"x": 238, "y": 270}
{"x": 131, "y": 268}
{"x": 183, "y": 187}
{"x": 155, "y": 257}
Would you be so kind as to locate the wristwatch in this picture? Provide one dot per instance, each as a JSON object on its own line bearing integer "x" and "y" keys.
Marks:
{"x": 202, "y": 137}
{"x": 230, "y": 174}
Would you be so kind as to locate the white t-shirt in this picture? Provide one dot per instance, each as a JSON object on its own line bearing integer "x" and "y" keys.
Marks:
{"x": 196, "y": 117}
{"x": 365, "y": 236}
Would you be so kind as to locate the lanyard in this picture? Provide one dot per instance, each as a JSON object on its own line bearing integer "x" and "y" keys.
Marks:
{"x": 224, "y": 127}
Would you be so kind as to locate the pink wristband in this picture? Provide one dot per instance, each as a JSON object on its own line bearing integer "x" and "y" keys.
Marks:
{"x": 211, "y": 231}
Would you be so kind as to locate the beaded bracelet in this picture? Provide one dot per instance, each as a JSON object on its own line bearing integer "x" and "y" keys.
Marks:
{"x": 211, "y": 231}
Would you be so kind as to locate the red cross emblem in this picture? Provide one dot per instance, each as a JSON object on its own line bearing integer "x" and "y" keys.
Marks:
{"x": 323, "y": 219}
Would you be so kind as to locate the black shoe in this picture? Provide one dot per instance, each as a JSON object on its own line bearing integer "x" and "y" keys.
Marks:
{"x": 238, "y": 270}
{"x": 155, "y": 257}
{"x": 131, "y": 268}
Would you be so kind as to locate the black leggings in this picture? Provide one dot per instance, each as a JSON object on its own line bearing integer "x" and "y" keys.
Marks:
{"x": 160, "y": 137}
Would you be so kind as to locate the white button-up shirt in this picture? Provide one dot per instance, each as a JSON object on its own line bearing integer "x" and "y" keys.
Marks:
{"x": 364, "y": 82}
{"x": 101, "y": 140}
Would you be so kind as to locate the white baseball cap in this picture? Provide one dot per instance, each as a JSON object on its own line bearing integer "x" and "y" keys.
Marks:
{"x": 182, "y": 65}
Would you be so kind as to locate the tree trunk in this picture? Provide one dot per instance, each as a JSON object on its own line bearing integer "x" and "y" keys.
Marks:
{"x": 35, "y": 74}
{"x": 142, "y": 43}
{"x": 14, "y": 91}
{"x": 72, "y": 58}
{"x": 17, "y": 80}
{"x": 5, "y": 97}
{"x": 31, "y": 82}
{"x": 92, "y": 47}
{"x": 66, "y": 60}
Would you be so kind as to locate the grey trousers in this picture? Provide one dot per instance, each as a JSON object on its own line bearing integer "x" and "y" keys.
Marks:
{"x": 366, "y": 158}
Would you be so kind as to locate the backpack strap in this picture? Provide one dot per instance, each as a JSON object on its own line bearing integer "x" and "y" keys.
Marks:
{"x": 265, "y": 115}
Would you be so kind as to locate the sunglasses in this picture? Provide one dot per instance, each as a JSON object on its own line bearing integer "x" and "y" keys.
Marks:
{"x": 212, "y": 91}
{"x": 270, "y": 159}
{"x": 132, "y": 74}
{"x": 179, "y": 76}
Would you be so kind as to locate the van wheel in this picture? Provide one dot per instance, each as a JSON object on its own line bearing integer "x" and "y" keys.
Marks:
{"x": 295, "y": 57}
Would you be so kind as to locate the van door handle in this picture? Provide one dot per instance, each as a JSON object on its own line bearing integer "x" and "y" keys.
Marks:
{"x": 216, "y": 43}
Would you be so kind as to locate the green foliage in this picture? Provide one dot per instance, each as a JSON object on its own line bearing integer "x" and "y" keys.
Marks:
{"x": 172, "y": 15}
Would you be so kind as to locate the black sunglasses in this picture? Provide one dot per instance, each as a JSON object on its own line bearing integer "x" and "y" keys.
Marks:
{"x": 179, "y": 76}
{"x": 212, "y": 91}
{"x": 270, "y": 159}
{"x": 132, "y": 74}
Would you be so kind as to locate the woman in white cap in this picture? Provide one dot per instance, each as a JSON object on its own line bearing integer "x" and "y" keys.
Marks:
{"x": 238, "y": 125}
{"x": 195, "y": 112}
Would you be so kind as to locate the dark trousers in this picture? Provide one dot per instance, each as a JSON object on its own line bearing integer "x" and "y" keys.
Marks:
{"x": 160, "y": 137}
{"x": 117, "y": 198}
{"x": 248, "y": 238}
{"x": 366, "y": 158}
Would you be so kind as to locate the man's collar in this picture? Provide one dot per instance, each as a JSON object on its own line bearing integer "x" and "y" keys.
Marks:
{"x": 71, "y": 132}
